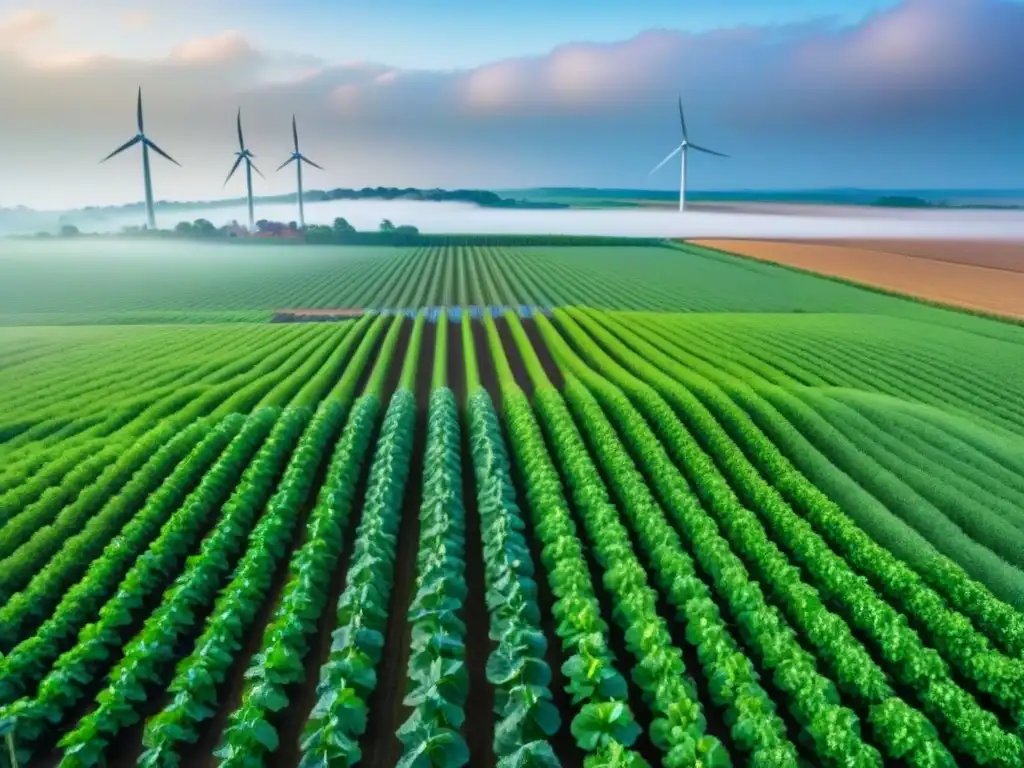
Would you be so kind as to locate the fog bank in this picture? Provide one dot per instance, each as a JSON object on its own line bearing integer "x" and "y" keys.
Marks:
{"x": 786, "y": 221}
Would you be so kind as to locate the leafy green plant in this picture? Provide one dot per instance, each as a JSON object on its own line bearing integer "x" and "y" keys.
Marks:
{"x": 29, "y": 659}
{"x": 730, "y": 577}
{"x": 743, "y": 416}
{"x": 98, "y": 467}
{"x": 437, "y": 673}
{"x": 41, "y": 587}
{"x": 33, "y": 503}
{"x": 73, "y": 672}
{"x": 331, "y": 735}
{"x": 516, "y": 667}
{"x": 148, "y": 656}
{"x": 969, "y": 727}
{"x": 250, "y": 736}
{"x": 34, "y": 538}
{"x": 199, "y": 675}
{"x": 590, "y": 667}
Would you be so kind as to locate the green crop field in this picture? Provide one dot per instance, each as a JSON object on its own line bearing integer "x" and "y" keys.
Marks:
{"x": 639, "y": 506}
{"x": 173, "y": 282}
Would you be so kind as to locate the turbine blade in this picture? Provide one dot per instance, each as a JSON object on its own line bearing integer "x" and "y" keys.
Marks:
{"x": 706, "y": 150}
{"x": 160, "y": 152}
{"x": 122, "y": 148}
{"x": 289, "y": 161}
{"x": 234, "y": 168}
{"x": 295, "y": 133}
{"x": 307, "y": 161}
{"x": 682, "y": 120}
{"x": 672, "y": 154}
{"x": 253, "y": 166}
{"x": 241, "y": 141}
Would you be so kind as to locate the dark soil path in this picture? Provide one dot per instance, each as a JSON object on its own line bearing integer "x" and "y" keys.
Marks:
{"x": 488, "y": 374}
{"x": 547, "y": 361}
{"x": 515, "y": 359}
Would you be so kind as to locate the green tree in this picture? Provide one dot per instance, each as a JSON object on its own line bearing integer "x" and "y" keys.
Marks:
{"x": 342, "y": 227}
{"x": 387, "y": 226}
{"x": 204, "y": 228}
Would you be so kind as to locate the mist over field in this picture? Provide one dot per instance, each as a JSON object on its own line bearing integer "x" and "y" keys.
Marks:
{"x": 738, "y": 221}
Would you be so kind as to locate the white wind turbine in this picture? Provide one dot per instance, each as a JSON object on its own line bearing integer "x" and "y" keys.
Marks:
{"x": 298, "y": 158}
{"x": 683, "y": 148}
{"x": 147, "y": 144}
{"x": 244, "y": 155}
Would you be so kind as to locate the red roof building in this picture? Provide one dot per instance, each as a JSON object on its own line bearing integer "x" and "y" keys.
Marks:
{"x": 285, "y": 233}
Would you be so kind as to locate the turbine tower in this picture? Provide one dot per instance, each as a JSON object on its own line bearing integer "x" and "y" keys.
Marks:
{"x": 147, "y": 144}
{"x": 684, "y": 148}
{"x": 298, "y": 158}
{"x": 247, "y": 156}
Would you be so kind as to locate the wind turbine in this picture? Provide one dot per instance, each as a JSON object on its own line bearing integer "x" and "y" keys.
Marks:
{"x": 147, "y": 144}
{"x": 298, "y": 158}
{"x": 247, "y": 156}
{"x": 683, "y": 148}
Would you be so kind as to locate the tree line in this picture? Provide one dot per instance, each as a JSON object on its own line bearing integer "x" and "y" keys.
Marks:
{"x": 342, "y": 232}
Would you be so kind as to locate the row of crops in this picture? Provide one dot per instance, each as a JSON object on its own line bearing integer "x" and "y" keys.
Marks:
{"x": 165, "y": 283}
{"x": 595, "y": 538}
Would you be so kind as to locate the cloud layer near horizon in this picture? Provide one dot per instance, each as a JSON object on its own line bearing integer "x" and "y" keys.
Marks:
{"x": 925, "y": 94}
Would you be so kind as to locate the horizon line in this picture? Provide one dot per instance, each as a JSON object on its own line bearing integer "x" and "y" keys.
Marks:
{"x": 505, "y": 190}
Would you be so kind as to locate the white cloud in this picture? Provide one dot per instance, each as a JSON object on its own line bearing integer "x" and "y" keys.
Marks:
{"x": 25, "y": 26}
{"x": 225, "y": 47}
{"x": 345, "y": 95}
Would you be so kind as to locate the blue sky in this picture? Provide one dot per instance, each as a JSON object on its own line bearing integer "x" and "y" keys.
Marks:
{"x": 463, "y": 33}
{"x": 807, "y": 93}
{"x": 439, "y": 34}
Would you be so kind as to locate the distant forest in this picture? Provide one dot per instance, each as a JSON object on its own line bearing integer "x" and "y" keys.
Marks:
{"x": 341, "y": 232}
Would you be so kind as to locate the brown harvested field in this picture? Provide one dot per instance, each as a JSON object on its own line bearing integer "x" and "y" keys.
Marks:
{"x": 986, "y": 277}
{"x": 996, "y": 254}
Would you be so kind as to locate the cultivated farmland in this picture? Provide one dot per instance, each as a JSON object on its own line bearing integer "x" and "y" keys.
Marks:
{"x": 533, "y": 506}
{"x": 126, "y": 282}
{"x": 984, "y": 277}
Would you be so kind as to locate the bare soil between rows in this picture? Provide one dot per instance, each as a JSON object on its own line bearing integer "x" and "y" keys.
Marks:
{"x": 983, "y": 277}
